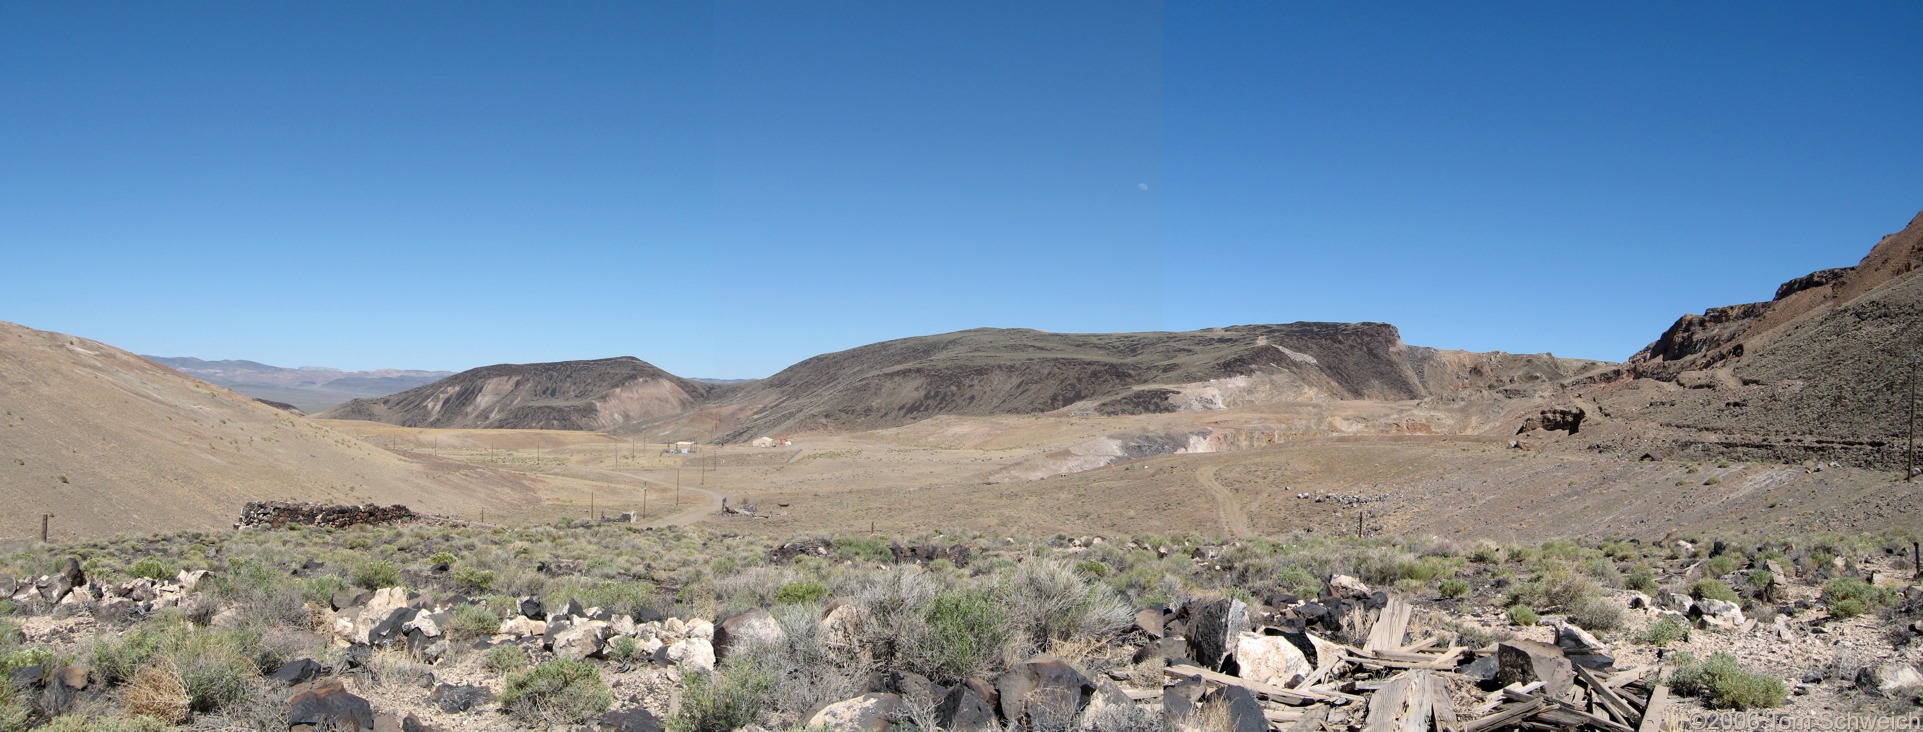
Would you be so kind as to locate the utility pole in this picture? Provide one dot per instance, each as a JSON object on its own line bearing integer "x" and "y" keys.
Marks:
{"x": 44, "y": 518}
{"x": 677, "y": 486}
{"x": 590, "y": 504}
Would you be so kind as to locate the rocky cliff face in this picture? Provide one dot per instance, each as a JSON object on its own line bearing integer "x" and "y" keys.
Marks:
{"x": 1819, "y": 372}
{"x": 568, "y": 395}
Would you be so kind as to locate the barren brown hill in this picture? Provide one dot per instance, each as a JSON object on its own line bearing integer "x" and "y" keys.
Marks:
{"x": 998, "y": 371}
{"x": 567, "y": 395}
{"x": 109, "y": 442}
{"x": 1819, "y": 372}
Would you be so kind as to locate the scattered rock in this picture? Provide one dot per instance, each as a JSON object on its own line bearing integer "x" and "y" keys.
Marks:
{"x": 297, "y": 671}
{"x": 691, "y": 654}
{"x": 1888, "y": 678}
{"x": 1212, "y": 631}
{"x": 1245, "y": 713}
{"x": 1043, "y": 692}
{"x": 865, "y": 713}
{"x": 326, "y": 705}
{"x": 1524, "y": 661}
{"x": 1583, "y": 649}
{"x": 1270, "y": 659}
{"x": 631, "y": 720}
{"x": 755, "y": 626}
{"x": 969, "y": 707}
{"x": 455, "y": 698}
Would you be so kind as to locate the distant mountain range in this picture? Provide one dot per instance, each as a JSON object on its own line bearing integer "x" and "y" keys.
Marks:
{"x": 310, "y": 388}
{"x": 987, "y": 371}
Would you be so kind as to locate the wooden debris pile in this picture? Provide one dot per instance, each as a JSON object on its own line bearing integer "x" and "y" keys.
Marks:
{"x": 1382, "y": 680}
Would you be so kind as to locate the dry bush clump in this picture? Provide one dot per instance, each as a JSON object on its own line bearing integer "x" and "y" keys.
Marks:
{"x": 158, "y": 691}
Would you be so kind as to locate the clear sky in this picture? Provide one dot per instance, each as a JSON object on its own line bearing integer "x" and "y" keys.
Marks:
{"x": 726, "y": 189}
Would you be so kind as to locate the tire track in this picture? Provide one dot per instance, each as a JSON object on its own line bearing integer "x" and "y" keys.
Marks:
{"x": 1234, "y": 521}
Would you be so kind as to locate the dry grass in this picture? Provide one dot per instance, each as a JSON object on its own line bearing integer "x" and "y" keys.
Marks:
{"x": 158, "y": 691}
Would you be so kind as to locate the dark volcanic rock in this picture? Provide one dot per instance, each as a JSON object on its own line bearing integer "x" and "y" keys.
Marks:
{"x": 1043, "y": 692}
{"x": 452, "y": 698}
{"x": 1212, "y": 630}
{"x": 969, "y": 707}
{"x": 326, "y": 704}
{"x": 297, "y": 671}
{"x": 1522, "y": 661}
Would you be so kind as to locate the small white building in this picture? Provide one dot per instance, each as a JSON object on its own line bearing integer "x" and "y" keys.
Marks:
{"x": 763, "y": 442}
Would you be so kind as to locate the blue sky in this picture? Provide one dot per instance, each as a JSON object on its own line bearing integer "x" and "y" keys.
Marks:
{"x": 726, "y": 189}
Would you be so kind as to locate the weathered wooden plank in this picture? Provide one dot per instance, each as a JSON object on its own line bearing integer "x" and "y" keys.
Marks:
{"x": 1624, "y": 678}
{"x": 1279, "y": 716}
{"x": 1624, "y": 711}
{"x": 1656, "y": 715}
{"x": 1507, "y": 715}
{"x": 1297, "y": 696}
{"x": 1562, "y": 712}
{"x": 1142, "y": 694}
{"x": 1421, "y": 644}
{"x": 1312, "y": 719}
{"x": 1390, "y": 626}
{"x": 1437, "y": 663}
{"x": 1442, "y": 706}
{"x": 1402, "y": 705}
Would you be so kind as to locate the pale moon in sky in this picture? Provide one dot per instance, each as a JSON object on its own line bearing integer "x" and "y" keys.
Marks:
{"x": 1143, "y": 186}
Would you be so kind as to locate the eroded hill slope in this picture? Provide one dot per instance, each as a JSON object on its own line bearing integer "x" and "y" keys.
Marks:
{"x": 566, "y": 395}
{"x": 109, "y": 442}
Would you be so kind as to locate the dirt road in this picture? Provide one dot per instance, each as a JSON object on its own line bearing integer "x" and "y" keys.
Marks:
{"x": 1229, "y": 511}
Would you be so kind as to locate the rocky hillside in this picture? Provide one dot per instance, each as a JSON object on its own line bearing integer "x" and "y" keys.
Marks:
{"x": 567, "y": 395}
{"x": 1817, "y": 372}
{"x": 310, "y": 388}
{"x": 997, "y": 371}
{"x": 109, "y": 442}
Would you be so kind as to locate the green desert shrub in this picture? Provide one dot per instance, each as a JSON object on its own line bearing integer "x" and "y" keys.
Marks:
{"x": 1453, "y": 588}
{"x": 624, "y": 648}
{"x": 154, "y": 568}
{"x": 1641, "y": 579}
{"x": 377, "y": 574}
{"x": 474, "y": 579}
{"x": 1849, "y": 597}
{"x": 1709, "y": 589}
{"x": 1556, "y": 588}
{"x": 803, "y": 592}
{"x": 965, "y": 635}
{"x": 863, "y": 548}
{"x": 1723, "y": 684}
{"x": 505, "y": 658}
{"x": 1664, "y": 632}
{"x": 1047, "y": 602}
{"x": 214, "y": 664}
{"x": 722, "y": 702}
{"x": 467, "y": 622}
{"x": 1486, "y": 553}
{"x": 1523, "y": 615}
{"x": 1723, "y": 564}
{"x": 561, "y": 691}
{"x": 1093, "y": 568}
{"x": 1595, "y": 613}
